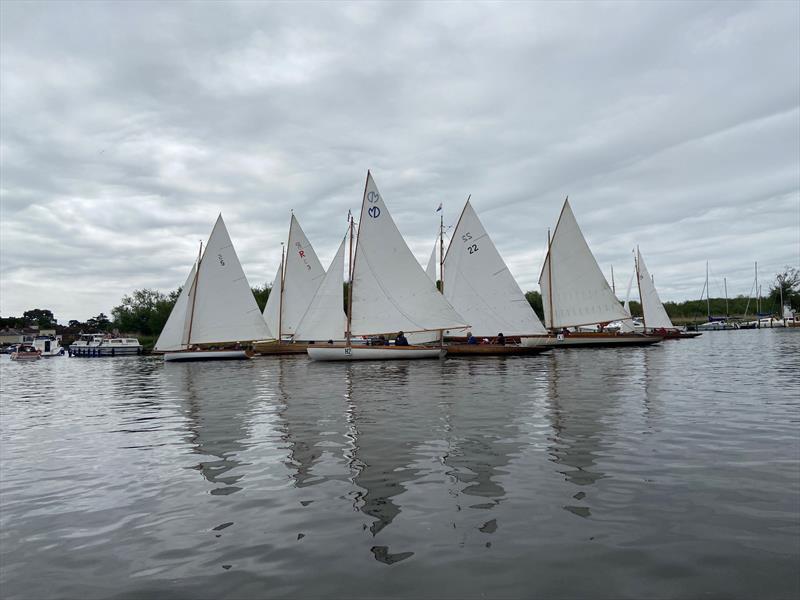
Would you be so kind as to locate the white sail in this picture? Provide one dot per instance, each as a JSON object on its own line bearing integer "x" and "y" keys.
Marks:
{"x": 273, "y": 307}
{"x": 225, "y": 309}
{"x": 430, "y": 270}
{"x": 655, "y": 316}
{"x": 302, "y": 275}
{"x": 391, "y": 292}
{"x": 325, "y": 318}
{"x": 579, "y": 290}
{"x": 479, "y": 285}
{"x": 175, "y": 334}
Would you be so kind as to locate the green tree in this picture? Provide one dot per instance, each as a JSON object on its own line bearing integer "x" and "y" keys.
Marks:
{"x": 145, "y": 311}
{"x": 535, "y": 300}
{"x": 41, "y": 317}
{"x": 786, "y": 284}
{"x": 261, "y": 295}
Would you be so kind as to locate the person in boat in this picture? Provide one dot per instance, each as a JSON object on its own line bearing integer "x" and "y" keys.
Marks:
{"x": 400, "y": 340}
{"x": 501, "y": 340}
{"x": 471, "y": 339}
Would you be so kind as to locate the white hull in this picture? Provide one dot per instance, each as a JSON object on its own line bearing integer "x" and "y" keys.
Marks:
{"x": 104, "y": 350}
{"x": 187, "y": 355}
{"x": 374, "y": 353}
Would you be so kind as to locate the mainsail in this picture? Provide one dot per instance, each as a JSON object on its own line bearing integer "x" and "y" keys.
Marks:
{"x": 479, "y": 285}
{"x": 325, "y": 318}
{"x": 655, "y": 316}
{"x": 216, "y": 305}
{"x": 574, "y": 290}
{"x": 301, "y": 277}
{"x": 391, "y": 292}
{"x": 625, "y": 325}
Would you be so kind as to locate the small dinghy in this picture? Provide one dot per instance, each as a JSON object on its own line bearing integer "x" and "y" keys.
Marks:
{"x": 25, "y": 352}
{"x": 216, "y": 313}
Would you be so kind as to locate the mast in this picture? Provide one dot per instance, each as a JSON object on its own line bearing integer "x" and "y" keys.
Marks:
{"x": 194, "y": 296}
{"x": 550, "y": 277}
{"x": 441, "y": 251}
{"x": 758, "y": 296}
{"x": 350, "y": 284}
{"x": 708, "y": 298}
{"x": 613, "y": 287}
{"x": 280, "y": 298}
{"x": 725, "y": 283}
{"x": 639, "y": 285}
{"x": 441, "y": 266}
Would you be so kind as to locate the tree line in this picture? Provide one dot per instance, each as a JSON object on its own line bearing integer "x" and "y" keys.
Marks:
{"x": 145, "y": 311}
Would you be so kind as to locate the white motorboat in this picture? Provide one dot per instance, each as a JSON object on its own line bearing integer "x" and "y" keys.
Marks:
{"x": 48, "y": 346}
{"x": 216, "y": 312}
{"x": 101, "y": 344}
{"x": 388, "y": 293}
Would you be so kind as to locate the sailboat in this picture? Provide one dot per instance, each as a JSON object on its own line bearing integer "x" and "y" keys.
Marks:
{"x": 215, "y": 313}
{"x": 654, "y": 316}
{"x": 575, "y": 292}
{"x": 477, "y": 283}
{"x": 299, "y": 275}
{"x": 389, "y": 291}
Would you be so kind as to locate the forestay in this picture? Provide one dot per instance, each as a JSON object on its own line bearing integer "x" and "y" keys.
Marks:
{"x": 325, "y": 318}
{"x": 391, "y": 292}
{"x": 175, "y": 335}
{"x": 655, "y": 316}
{"x": 580, "y": 293}
{"x": 479, "y": 285}
{"x": 224, "y": 309}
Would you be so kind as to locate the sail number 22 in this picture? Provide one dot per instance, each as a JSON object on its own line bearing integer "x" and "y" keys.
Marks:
{"x": 471, "y": 248}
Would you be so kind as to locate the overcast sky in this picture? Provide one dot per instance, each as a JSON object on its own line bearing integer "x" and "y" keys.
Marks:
{"x": 126, "y": 128}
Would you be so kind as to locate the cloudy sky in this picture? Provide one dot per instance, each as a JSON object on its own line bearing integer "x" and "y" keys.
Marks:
{"x": 126, "y": 127}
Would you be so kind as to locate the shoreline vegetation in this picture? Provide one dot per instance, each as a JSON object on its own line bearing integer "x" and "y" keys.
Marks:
{"x": 144, "y": 312}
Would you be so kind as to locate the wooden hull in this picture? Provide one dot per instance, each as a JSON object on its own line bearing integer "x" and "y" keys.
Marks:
{"x": 681, "y": 335}
{"x": 25, "y": 356}
{"x": 493, "y": 350}
{"x": 274, "y": 348}
{"x": 604, "y": 340}
{"x": 331, "y": 352}
{"x": 194, "y": 355}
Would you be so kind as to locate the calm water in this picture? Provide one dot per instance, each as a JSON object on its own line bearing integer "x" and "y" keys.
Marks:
{"x": 670, "y": 471}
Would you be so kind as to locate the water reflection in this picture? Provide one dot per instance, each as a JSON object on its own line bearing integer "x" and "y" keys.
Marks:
{"x": 381, "y": 456}
{"x": 216, "y": 420}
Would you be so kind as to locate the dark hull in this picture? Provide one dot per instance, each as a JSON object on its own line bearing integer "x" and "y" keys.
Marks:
{"x": 493, "y": 350}
{"x": 603, "y": 340}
